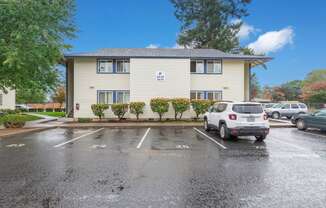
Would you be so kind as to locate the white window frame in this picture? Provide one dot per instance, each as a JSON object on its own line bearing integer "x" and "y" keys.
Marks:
{"x": 197, "y": 63}
{"x": 217, "y": 94}
{"x": 124, "y": 98}
{"x": 217, "y": 66}
{"x": 125, "y": 66}
{"x": 105, "y": 61}
{"x": 106, "y": 98}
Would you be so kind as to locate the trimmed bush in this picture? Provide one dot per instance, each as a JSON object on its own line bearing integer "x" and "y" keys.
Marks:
{"x": 180, "y": 105}
{"x": 119, "y": 109}
{"x": 160, "y": 106}
{"x": 9, "y": 111}
{"x": 13, "y": 121}
{"x": 84, "y": 120}
{"x": 98, "y": 109}
{"x": 200, "y": 106}
{"x": 137, "y": 108}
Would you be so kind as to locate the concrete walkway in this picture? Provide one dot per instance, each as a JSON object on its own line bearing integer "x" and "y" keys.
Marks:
{"x": 40, "y": 122}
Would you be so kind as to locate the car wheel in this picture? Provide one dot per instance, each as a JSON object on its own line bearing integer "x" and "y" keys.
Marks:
{"x": 276, "y": 115}
{"x": 206, "y": 125}
{"x": 261, "y": 137}
{"x": 301, "y": 125}
{"x": 224, "y": 132}
{"x": 289, "y": 117}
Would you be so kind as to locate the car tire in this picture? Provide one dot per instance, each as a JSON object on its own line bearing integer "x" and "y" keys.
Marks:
{"x": 289, "y": 117}
{"x": 224, "y": 132}
{"x": 276, "y": 115}
{"x": 301, "y": 125}
{"x": 261, "y": 138}
{"x": 206, "y": 127}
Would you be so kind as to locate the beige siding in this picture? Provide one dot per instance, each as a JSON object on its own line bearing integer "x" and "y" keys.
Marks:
{"x": 8, "y": 100}
{"x": 144, "y": 86}
{"x": 142, "y": 83}
{"x": 231, "y": 81}
{"x": 87, "y": 82}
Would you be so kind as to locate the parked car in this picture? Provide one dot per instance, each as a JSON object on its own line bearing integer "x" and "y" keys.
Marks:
{"x": 22, "y": 107}
{"x": 237, "y": 119}
{"x": 313, "y": 120}
{"x": 286, "y": 110}
{"x": 268, "y": 105}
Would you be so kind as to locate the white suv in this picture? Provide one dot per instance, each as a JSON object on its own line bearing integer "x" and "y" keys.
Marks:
{"x": 237, "y": 119}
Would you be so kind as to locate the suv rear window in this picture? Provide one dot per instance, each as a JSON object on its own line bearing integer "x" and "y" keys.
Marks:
{"x": 247, "y": 108}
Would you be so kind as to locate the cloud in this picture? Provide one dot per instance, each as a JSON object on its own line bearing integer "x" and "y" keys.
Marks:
{"x": 272, "y": 41}
{"x": 245, "y": 29}
{"x": 177, "y": 46}
{"x": 152, "y": 46}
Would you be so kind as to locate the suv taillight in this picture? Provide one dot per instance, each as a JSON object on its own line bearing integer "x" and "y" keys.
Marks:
{"x": 265, "y": 116}
{"x": 232, "y": 117}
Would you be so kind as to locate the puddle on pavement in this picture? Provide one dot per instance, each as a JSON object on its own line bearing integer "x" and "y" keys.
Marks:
{"x": 96, "y": 146}
{"x": 15, "y": 145}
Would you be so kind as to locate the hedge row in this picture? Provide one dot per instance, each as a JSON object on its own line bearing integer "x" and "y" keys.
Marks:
{"x": 158, "y": 105}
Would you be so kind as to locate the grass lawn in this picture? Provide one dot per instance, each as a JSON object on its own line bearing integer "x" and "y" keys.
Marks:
{"x": 53, "y": 114}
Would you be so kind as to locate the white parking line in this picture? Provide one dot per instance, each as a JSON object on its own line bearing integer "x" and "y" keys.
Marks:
{"x": 313, "y": 134}
{"x": 143, "y": 139}
{"x": 210, "y": 138}
{"x": 74, "y": 139}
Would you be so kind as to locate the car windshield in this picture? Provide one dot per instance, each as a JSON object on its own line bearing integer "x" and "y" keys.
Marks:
{"x": 247, "y": 108}
{"x": 269, "y": 105}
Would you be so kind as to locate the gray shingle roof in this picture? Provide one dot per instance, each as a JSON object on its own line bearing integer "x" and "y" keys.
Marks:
{"x": 165, "y": 53}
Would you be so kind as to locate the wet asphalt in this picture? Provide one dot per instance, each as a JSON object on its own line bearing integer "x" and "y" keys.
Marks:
{"x": 173, "y": 167}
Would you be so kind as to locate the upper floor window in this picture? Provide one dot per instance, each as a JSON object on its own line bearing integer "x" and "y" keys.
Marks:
{"x": 112, "y": 66}
{"x": 206, "y": 66}
{"x": 1, "y": 99}
{"x": 122, "y": 66}
{"x": 105, "y": 66}
{"x": 197, "y": 66}
{"x": 214, "y": 67}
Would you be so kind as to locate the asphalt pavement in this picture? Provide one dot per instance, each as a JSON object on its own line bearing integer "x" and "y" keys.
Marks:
{"x": 162, "y": 167}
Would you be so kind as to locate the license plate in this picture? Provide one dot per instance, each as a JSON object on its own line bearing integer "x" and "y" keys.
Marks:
{"x": 251, "y": 119}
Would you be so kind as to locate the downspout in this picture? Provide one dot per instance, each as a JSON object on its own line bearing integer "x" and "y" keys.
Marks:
{"x": 249, "y": 72}
{"x": 67, "y": 90}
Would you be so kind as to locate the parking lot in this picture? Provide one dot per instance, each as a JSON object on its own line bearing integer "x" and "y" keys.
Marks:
{"x": 161, "y": 167}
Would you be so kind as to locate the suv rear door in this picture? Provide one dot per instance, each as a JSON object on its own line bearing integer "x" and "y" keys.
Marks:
{"x": 249, "y": 113}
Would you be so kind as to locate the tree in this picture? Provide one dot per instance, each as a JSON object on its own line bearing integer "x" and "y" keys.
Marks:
{"x": 315, "y": 76}
{"x": 119, "y": 109}
{"x": 98, "y": 109}
{"x": 207, "y": 23}
{"x": 292, "y": 90}
{"x": 255, "y": 89}
{"x": 32, "y": 41}
{"x": 24, "y": 96}
{"x": 137, "y": 108}
{"x": 180, "y": 105}
{"x": 200, "y": 106}
{"x": 160, "y": 106}
{"x": 314, "y": 87}
{"x": 59, "y": 95}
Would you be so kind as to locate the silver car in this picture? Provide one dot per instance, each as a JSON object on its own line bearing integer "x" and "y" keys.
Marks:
{"x": 286, "y": 110}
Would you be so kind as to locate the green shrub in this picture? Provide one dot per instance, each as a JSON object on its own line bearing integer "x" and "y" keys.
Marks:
{"x": 119, "y": 109}
{"x": 7, "y": 111}
{"x": 160, "y": 106}
{"x": 84, "y": 120}
{"x": 98, "y": 109}
{"x": 13, "y": 120}
{"x": 137, "y": 108}
{"x": 200, "y": 106}
{"x": 180, "y": 105}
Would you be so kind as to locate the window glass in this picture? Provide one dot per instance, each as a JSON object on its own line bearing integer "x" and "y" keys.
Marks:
{"x": 193, "y": 95}
{"x": 302, "y": 105}
{"x": 199, "y": 66}
{"x": 214, "y": 67}
{"x": 217, "y": 95}
{"x": 193, "y": 66}
{"x": 122, "y": 66}
{"x": 221, "y": 107}
{"x": 200, "y": 95}
{"x": 105, "y": 97}
{"x": 1, "y": 99}
{"x": 247, "y": 108}
{"x": 321, "y": 113}
{"x": 295, "y": 106}
{"x": 105, "y": 66}
{"x": 122, "y": 97}
{"x": 286, "y": 106}
{"x": 210, "y": 95}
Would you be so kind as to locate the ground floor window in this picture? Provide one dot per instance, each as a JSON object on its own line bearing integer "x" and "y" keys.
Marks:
{"x": 206, "y": 95}
{"x": 113, "y": 96}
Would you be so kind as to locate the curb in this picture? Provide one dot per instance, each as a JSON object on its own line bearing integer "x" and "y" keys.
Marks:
{"x": 27, "y": 131}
